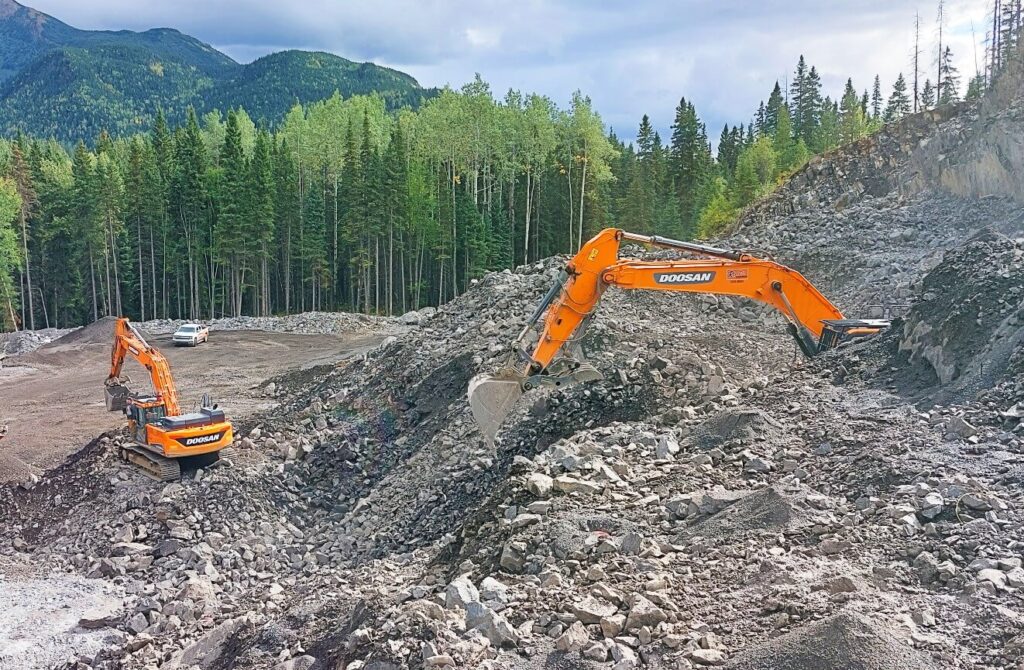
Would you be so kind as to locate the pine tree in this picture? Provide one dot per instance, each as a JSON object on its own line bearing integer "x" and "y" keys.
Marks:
{"x": 899, "y": 103}
{"x": 232, "y": 236}
{"x": 810, "y": 115}
{"x": 286, "y": 220}
{"x": 260, "y": 192}
{"x": 826, "y": 135}
{"x": 798, "y": 97}
{"x": 927, "y": 95}
{"x": 783, "y": 141}
{"x": 975, "y": 87}
{"x": 876, "y": 99}
{"x": 645, "y": 139}
{"x": 851, "y": 116}
{"x": 728, "y": 151}
{"x": 950, "y": 79}
{"x": 189, "y": 202}
{"x": 10, "y": 254}
{"x": 771, "y": 111}
{"x": 689, "y": 161}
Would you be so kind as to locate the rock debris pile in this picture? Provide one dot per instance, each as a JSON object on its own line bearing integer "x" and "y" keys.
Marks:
{"x": 309, "y": 323}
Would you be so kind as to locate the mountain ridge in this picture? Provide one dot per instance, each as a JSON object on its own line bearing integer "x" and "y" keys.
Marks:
{"x": 61, "y": 81}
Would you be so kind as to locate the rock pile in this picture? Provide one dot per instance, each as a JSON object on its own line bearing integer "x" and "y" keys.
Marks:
{"x": 24, "y": 341}
{"x": 307, "y": 323}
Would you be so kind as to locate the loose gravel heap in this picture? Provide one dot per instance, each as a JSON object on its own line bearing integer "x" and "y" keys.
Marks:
{"x": 307, "y": 323}
{"x": 716, "y": 500}
{"x": 24, "y": 341}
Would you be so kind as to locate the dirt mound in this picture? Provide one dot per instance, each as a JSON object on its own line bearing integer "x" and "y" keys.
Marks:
{"x": 100, "y": 331}
{"x": 13, "y": 469}
{"x": 843, "y": 642}
{"x": 736, "y": 426}
{"x": 765, "y": 510}
{"x": 67, "y": 350}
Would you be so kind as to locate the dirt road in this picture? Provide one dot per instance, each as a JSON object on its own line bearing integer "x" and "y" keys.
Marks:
{"x": 52, "y": 398}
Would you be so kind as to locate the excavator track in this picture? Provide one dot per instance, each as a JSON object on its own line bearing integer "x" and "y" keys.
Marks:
{"x": 153, "y": 465}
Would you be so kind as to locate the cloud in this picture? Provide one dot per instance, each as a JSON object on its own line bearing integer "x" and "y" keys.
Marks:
{"x": 632, "y": 57}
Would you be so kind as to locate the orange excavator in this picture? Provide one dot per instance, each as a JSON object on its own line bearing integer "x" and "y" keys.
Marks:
{"x": 569, "y": 305}
{"x": 162, "y": 435}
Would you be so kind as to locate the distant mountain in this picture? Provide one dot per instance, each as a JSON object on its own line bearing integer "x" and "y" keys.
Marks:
{"x": 270, "y": 85}
{"x": 57, "y": 80}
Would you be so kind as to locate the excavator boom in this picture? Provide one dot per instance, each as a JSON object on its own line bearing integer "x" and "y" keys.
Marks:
{"x": 815, "y": 322}
{"x": 129, "y": 341}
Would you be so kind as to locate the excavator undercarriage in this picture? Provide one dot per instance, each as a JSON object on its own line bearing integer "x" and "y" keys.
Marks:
{"x": 563, "y": 313}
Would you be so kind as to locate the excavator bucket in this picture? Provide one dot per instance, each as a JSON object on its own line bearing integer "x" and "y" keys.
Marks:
{"x": 491, "y": 398}
{"x": 116, "y": 397}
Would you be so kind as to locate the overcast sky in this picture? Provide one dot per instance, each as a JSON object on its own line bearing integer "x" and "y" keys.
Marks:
{"x": 631, "y": 57}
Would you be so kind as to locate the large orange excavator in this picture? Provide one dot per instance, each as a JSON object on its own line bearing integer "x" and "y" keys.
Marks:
{"x": 816, "y": 323}
{"x": 162, "y": 435}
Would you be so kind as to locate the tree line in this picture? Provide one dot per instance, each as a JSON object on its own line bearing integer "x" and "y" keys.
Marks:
{"x": 345, "y": 205}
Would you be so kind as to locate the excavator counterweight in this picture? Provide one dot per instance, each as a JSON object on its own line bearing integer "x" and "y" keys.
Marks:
{"x": 563, "y": 313}
{"x": 162, "y": 435}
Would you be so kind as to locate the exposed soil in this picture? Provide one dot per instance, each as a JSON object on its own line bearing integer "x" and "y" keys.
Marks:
{"x": 52, "y": 398}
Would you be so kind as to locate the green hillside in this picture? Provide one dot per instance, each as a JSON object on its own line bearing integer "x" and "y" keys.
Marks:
{"x": 269, "y": 86}
{"x": 57, "y": 80}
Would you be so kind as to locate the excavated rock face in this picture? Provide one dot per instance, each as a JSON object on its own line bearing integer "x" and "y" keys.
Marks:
{"x": 969, "y": 321}
{"x": 967, "y": 150}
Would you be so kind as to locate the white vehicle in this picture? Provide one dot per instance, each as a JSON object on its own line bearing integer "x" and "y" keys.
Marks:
{"x": 191, "y": 334}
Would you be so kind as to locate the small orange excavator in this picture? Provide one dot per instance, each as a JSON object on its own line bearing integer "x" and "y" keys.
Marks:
{"x": 162, "y": 434}
{"x": 569, "y": 305}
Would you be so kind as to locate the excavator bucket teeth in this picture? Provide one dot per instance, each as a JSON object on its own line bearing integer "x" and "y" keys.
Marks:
{"x": 491, "y": 398}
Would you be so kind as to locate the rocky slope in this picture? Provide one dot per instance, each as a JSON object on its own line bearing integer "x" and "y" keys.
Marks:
{"x": 717, "y": 500}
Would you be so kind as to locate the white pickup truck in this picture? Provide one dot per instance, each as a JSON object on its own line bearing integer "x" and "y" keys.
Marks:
{"x": 191, "y": 334}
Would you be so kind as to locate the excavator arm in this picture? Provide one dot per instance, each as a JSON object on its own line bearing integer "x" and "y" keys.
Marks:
{"x": 128, "y": 341}
{"x": 815, "y": 322}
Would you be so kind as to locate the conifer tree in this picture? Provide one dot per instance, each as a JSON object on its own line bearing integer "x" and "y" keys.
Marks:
{"x": 233, "y": 236}
{"x": 899, "y": 102}
{"x": 260, "y": 192}
{"x": 771, "y": 112}
{"x": 10, "y": 254}
{"x": 851, "y": 124}
{"x": 927, "y": 95}
{"x": 728, "y": 151}
{"x": 826, "y": 135}
{"x": 689, "y": 162}
{"x": 810, "y": 114}
{"x": 798, "y": 93}
{"x": 950, "y": 79}
{"x": 20, "y": 174}
{"x": 876, "y": 99}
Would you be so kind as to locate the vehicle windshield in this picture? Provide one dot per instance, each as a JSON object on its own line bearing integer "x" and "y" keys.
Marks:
{"x": 187, "y": 329}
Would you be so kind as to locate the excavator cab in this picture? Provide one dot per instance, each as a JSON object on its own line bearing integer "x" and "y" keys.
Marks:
{"x": 142, "y": 412}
